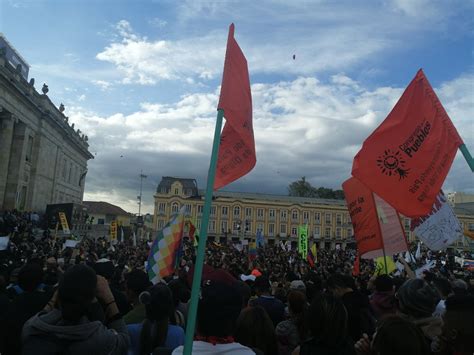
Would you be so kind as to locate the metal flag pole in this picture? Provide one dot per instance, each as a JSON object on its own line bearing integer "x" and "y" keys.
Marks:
{"x": 198, "y": 266}
{"x": 467, "y": 156}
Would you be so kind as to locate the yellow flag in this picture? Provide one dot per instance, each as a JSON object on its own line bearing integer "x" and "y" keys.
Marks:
{"x": 380, "y": 265}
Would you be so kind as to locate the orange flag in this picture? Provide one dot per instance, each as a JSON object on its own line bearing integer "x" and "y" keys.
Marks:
{"x": 237, "y": 146}
{"x": 376, "y": 224}
{"x": 406, "y": 159}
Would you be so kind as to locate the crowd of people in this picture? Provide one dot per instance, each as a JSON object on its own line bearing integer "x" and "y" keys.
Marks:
{"x": 97, "y": 298}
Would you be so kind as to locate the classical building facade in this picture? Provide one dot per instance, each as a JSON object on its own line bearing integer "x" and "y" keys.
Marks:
{"x": 238, "y": 216}
{"x": 43, "y": 159}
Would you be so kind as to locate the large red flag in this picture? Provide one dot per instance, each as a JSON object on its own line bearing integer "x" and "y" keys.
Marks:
{"x": 406, "y": 159}
{"x": 376, "y": 224}
{"x": 237, "y": 146}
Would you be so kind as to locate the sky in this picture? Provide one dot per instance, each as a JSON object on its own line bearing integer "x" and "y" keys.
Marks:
{"x": 142, "y": 79}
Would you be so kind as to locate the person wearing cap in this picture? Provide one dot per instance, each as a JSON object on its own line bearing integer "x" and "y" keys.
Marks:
{"x": 219, "y": 307}
{"x": 274, "y": 307}
{"x": 417, "y": 301}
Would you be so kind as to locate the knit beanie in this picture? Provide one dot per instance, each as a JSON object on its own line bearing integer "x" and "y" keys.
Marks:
{"x": 417, "y": 298}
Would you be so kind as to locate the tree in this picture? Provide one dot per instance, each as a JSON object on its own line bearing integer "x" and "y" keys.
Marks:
{"x": 301, "y": 188}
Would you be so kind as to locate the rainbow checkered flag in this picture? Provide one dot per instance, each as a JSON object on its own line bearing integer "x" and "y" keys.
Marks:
{"x": 162, "y": 258}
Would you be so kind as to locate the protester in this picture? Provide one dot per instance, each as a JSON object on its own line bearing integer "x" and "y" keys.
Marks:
{"x": 394, "y": 336}
{"x": 291, "y": 332}
{"x": 383, "y": 301}
{"x": 68, "y": 328}
{"x": 136, "y": 282}
{"x": 156, "y": 330}
{"x": 458, "y": 329}
{"x": 443, "y": 286}
{"x": 327, "y": 322}
{"x": 255, "y": 329}
{"x": 274, "y": 307}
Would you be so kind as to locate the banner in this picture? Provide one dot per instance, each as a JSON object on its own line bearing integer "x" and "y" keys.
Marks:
{"x": 376, "y": 224}
{"x": 380, "y": 265}
{"x": 237, "y": 145}
{"x": 70, "y": 243}
{"x": 64, "y": 224}
{"x": 113, "y": 230}
{"x": 406, "y": 159}
{"x": 440, "y": 228}
{"x": 260, "y": 240}
{"x": 303, "y": 241}
{"x": 4, "y": 242}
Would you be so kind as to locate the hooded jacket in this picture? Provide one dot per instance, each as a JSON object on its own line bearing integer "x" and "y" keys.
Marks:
{"x": 48, "y": 333}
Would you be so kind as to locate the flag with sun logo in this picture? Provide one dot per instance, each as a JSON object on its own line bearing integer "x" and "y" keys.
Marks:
{"x": 406, "y": 159}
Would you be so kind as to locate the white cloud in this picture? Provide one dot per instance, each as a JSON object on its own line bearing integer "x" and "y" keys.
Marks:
{"x": 103, "y": 84}
{"x": 81, "y": 98}
{"x": 157, "y": 22}
{"x": 302, "y": 127}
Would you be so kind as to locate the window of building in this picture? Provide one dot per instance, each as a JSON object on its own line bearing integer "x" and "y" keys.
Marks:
{"x": 294, "y": 215}
{"x": 162, "y": 207}
{"x": 317, "y": 231}
{"x": 407, "y": 222}
{"x": 338, "y": 219}
{"x": 260, "y": 227}
{"x": 271, "y": 213}
{"x": 200, "y": 208}
{"x": 213, "y": 210}
{"x": 294, "y": 231}
{"x": 224, "y": 226}
{"x": 470, "y": 227}
{"x": 176, "y": 191}
{"x": 260, "y": 213}
{"x": 328, "y": 218}
{"x": 317, "y": 218}
{"x": 349, "y": 232}
{"x": 305, "y": 216}
{"x": 283, "y": 228}
{"x": 198, "y": 224}
{"x": 338, "y": 233}
{"x": 236, "y": 226}
{"x": 189, "y": 208}
{"x": 161, "y": 224}
{"x": 271, "y": 229}
{"x": 283, "y": 214}
{"x": 327, "y": 232}
{"x": 248, "y": 212}
{"x": 236, "y": 211}
{"x": 29, "y": 149}
{"x": 175, "y": 207}
{"x": 225, "y": 210}
{"x": 248, "y": 226}
{"x": 100, "y": 221}
{"x": 164, "y": 190}
{"x": 211, "y": 226}
{"x": 64, "y": 169}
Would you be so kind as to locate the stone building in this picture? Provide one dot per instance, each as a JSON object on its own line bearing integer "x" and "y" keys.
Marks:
{"x": 43, "y": 159}
{"x": 237, "y": 216}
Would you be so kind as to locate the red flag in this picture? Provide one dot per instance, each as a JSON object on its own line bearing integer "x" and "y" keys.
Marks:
{"x": 376, "y": 224}
{"x": 356, "y": 268}
{"x": 406, "y": 159}
{"x": 237, "y": 146}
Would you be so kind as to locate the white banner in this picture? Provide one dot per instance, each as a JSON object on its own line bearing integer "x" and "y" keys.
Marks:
{"x": 440, "y": 228}
{"x": 4, "y": 242}
{"x": 70, "y": 243}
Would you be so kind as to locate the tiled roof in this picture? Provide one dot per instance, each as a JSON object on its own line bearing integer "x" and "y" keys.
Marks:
{"x": 99, "y": 207}
{"x": 188, "y": 184}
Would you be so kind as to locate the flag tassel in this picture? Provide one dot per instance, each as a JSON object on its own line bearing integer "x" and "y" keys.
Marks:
{"x": 467, "y": 155}
{"x": 191, "y": 324}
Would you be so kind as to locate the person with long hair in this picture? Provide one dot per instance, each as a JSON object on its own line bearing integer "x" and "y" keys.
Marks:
{"x": 328, "y": 328}
{"x": 255, "y": 329}
{"x": 291, "y": 332}
{"x": 156, "y": 331}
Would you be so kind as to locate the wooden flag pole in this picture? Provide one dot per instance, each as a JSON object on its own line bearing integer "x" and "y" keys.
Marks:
{"x": 467, "y": 156}
{"x": 191, "y": 323}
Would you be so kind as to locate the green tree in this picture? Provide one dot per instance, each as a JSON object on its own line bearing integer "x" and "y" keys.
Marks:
{"x": 301, "y": 188}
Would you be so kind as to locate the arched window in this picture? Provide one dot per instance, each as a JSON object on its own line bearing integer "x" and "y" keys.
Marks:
{"x": 237, "y": 211}
{"x": 175, "y": 207}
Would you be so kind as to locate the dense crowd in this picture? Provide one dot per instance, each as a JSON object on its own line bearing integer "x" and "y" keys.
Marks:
{"x": 96, "y": 298}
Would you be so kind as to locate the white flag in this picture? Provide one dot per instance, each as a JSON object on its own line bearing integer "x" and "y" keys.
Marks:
{"x": 408, "y": 257}
{"x": 134, "y": 239}
{"x": 440, "y": 228}
{"x": 4, "y": 242}
{"x": 418, "y": 252}
{"x": 121, "y": 235}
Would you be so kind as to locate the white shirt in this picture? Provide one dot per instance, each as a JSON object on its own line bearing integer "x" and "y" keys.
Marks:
{"x": 203, "y": 348}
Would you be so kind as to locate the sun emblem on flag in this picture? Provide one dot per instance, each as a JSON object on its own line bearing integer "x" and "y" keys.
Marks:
{"x": 392, "y": 164}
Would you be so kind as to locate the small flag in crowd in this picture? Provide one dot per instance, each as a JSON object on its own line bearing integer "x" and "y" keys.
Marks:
{"x": 4, "y": 242}
{"x": 303, "y": 241}
{"x": 406, "y": 159}
{"x": 162, "y": 257}
{"x": 418, "y": 252}
{"x": 312, "y": 255}
{"x": 237, "y": 146}
{"x": 386, "y": 266}
{"x": 252, "y": 251}
{"x": 193, "y": 234}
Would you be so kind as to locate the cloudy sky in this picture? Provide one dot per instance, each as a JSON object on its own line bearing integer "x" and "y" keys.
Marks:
{"x": 142, "y": 78}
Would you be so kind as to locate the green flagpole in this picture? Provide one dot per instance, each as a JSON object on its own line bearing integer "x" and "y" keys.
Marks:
{"x": 467, "y": 156}
{"x": 190, "y": 327}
